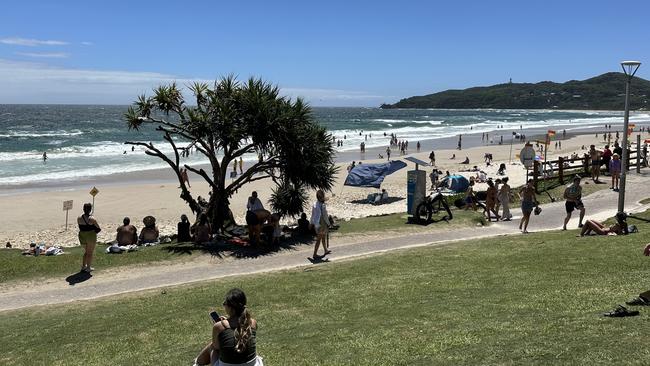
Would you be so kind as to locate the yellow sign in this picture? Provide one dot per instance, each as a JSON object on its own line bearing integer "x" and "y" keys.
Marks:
{"x": 94, "y": 191}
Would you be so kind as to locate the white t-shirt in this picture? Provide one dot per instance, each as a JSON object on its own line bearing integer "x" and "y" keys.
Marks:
{"x": 318, "y": 210}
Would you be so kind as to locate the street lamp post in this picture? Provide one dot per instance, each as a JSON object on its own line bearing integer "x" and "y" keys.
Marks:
{"x": 629, "y": 68}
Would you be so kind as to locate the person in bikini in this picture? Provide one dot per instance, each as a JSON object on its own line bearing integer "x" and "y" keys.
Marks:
{"x": 528, "y": 203}
{"x": 88, "y": 229}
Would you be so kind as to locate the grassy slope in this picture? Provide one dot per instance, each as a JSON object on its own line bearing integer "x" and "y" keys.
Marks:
{"x": 14, "y": 266}
{"x": 532, "y": 299}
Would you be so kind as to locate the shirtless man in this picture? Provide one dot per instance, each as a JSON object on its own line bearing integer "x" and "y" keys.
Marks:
{"x": 573, "y": 197}
{"x": 127, "y": 234}
{"x": 594, "y": 156}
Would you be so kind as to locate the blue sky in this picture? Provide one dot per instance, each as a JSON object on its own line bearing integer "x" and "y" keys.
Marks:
{"x": 336, "y": 53}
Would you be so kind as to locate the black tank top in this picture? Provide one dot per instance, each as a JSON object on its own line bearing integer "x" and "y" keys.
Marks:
{"x": 227, "y": 347}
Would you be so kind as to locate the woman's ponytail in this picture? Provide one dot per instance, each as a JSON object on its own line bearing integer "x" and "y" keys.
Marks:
{"x": 244, "y": 331}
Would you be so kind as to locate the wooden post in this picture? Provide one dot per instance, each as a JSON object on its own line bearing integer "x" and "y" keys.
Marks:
{"x": 638, "y": 153}
{"x": 535, "y": 174}
{"x": 560, "y": 172}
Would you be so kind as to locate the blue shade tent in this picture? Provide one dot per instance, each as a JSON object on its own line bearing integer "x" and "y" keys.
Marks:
{"x": 456, "y": 183}
{"x": 372, "y": 175}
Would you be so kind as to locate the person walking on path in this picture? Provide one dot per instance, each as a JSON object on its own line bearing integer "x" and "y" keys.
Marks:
{"x": 241, "y": 165}
{"x": 319, "y": 221}
{"x": 491, "y": 201}
{"x": 528, "y": 203}
{"x": 504, "y": 199}
{"x": 573, "y": 197}
{"x": 615, "y": 171}
{"x": 88, "y": 229}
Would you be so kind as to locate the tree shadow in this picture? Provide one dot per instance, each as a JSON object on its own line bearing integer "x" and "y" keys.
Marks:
{"x": 78, "y": 277}
{"x": 389, "y": 200}
{"x": 222, "y": 249}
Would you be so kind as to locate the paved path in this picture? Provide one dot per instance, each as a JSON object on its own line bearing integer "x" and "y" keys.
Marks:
{"x": 600, "y": 205}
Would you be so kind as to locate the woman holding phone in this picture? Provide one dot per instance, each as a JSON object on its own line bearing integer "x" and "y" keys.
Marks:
{"x": 233, "y": 335}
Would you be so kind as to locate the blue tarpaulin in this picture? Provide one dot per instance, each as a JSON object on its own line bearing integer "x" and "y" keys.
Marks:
{"x": 456, "y": 183}
{"x": 371, "y": 175}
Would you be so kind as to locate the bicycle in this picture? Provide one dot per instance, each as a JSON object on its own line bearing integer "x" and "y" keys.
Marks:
{"x": 431, "y": 208}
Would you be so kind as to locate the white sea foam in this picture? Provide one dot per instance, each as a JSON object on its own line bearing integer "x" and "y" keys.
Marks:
{"x": 19, "y": 134}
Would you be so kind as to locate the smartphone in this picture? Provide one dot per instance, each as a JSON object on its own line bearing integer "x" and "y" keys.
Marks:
{"x": 215, "y": 316}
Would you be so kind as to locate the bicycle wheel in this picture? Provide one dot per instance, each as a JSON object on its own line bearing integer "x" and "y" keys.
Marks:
{"x": 423, "y": 213}
{"x": 440, "y": 209}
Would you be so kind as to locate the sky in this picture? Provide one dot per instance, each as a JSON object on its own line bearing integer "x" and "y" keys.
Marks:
{"x": 332, "y": 53}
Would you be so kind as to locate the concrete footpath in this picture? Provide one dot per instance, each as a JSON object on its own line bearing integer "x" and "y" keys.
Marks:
{"x": 600, "y": 205}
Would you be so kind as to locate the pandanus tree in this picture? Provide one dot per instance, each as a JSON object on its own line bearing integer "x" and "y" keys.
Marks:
{"x": 231, "y": 119}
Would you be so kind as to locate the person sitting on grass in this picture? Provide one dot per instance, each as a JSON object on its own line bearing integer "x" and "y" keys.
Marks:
{"x": 303, "y": 224}
{"x": 619, "y": 228}
{"x": 183, "y": 230}
{"x": 149, "y": 233}
{"x": 202, "y": 231}
{"x": 233, "y": 336}
{"x": 127, "y": 234}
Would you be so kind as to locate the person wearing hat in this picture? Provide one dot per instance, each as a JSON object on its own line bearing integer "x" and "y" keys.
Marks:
{"x": 615, "y": 171}
{"x": 573, "y": 197}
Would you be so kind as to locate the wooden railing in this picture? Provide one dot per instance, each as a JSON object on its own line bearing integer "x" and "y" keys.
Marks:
{"x": 563, "y": 169}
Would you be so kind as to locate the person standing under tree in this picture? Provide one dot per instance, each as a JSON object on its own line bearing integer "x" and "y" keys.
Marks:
{"x": 319, "y": 221}
{"x": 88, "y": 229}
{"x": 573, "y": 197}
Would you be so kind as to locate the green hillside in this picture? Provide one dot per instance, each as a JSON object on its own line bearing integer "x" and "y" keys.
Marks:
{"x": 604, "y": 92}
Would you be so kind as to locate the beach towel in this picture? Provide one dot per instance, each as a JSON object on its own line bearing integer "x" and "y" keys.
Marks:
{"x": 372, "y": 175}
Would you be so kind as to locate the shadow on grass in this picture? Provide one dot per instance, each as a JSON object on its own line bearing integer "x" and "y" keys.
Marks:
{"x": 78, "y": 277}
{"x": 389, "y": 200}
{"x": 224, "y": 249}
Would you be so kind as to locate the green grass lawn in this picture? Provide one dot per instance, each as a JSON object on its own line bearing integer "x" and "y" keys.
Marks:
{"x": 398, "y": 222}
{"x": 15, "y": 267}
{"x": 513, "y": 300}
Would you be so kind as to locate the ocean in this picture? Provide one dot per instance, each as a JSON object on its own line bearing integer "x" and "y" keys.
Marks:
{"x": 84, "y": 141}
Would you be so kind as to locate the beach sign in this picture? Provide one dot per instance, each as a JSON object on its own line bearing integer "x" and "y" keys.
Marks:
{"x": 93, "y": 192}
{"x": 527, "y": 156}
{"x": 67, "y": 206}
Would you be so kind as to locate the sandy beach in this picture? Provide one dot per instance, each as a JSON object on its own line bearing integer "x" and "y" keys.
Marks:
{"x": 39, "y": 217}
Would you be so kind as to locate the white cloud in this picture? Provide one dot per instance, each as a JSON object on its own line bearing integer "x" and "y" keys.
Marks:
{"x": 43, "y": 54}
{"x": 34, "y": 82}
{"x": 31, "y": 42}
{"x": 87, "y": 43}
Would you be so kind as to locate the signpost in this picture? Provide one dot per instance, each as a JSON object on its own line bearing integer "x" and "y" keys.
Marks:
{"x": 93, "y": 192}
{"x": 527, "y": 157}
{"x": 67, "y": 206}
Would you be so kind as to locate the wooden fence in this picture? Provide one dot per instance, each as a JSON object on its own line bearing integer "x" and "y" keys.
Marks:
{"x": 563, "y": 169}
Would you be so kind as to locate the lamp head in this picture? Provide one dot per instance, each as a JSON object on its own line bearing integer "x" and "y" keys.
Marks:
{"x": 630, "y": 67}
